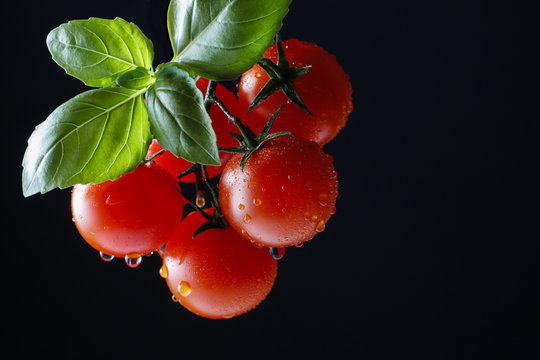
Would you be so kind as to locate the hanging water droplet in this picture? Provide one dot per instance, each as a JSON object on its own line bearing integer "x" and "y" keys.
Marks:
{"x": 320, "y": 226}
{"x": 333, "y": 211}
{"x": 133, "y": 260}
{"x": 163, "y": 271}
{"x": 73, "y": 219}
{"x": 257, "y": 202}
{"x": 105, "y": 257}
{"x": 199, "y": 201}
{"x": 174, "y": 298}
{"x": 184, "y": 288}
{"x": 277, "y": 253}
{"x": 299, "y": 245}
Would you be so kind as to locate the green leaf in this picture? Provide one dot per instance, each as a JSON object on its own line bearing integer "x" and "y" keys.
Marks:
{"x": 136, "y": 79}
{"x": 98, "y": 135}
{"x": 97, "y": 51}
{"x": 179, "y": 119}
{"x": 221, "y": 39}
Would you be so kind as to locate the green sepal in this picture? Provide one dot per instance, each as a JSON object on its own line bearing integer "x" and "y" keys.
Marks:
{"x": 282, "y": 77}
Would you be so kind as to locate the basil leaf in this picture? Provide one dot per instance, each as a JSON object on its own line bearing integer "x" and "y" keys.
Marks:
{"x": 221, "y": 39}
{"x": 98, "y": 135}
{"x": 136, "y": 79}
{"x": 97, "y": 51}
{"x": 178, "y": 117}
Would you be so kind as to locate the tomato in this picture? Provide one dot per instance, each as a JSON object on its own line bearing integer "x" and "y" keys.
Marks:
{"x": 222, "y": 126}
{"x": 217, "y": 274}
{"x": 131, "y": 216}
{"x": 284, "y": 196}
{"x": 325, "y": 89}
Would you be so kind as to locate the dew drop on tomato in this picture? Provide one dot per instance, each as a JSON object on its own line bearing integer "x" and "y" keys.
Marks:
{"x": 184, "y": 288}
{"x": 133, "y": 260}
{"x": 105, "y": 257}
{"x": 277, "y": 253}
{"x": 163, "y": 271}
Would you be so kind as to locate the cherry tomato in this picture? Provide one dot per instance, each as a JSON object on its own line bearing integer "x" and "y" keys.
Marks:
{"x": 222, "y": 126}
{"x": 284, "y": 196}
{"x": 217, "y": 274}
{"x": 133, "y": 215}
{"x": 325, "y": 89}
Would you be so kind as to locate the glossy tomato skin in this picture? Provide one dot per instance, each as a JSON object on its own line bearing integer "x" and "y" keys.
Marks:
{"x": 325, "y": 89}
{"x": 217, "y": 274}
{"x": 133, "y": 215}
{"x": 222, "y": 126}
{"x": 284, "y": 196}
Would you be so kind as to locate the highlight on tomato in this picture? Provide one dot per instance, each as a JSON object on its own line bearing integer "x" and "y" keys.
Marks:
{"x": 131, "y": 216}
{"x": 285, "y": 194}
{"x": 217, "y": 274}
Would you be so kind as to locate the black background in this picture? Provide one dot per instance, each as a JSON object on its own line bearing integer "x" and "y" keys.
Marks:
{"x": 432, "y": 251}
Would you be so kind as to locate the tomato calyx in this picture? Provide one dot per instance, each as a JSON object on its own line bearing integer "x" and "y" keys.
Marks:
{"x": 282, "y": 76}
{"x": 249, "y": 141}
{"x": 250, "y": 145}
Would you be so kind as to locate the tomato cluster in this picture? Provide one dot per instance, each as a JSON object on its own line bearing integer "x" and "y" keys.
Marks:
{"x": 282, "y": 195}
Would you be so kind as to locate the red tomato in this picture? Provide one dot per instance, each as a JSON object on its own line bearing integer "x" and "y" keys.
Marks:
{"x": 325, "y": 89}
{"x": 217, "y": 274}
{"x": 284, "y": 196}
{"x": 133, "y": 215}
{"x": 222, "y": 126}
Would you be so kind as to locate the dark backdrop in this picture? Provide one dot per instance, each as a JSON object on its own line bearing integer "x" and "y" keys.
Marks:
{"x": 423, "y": 256}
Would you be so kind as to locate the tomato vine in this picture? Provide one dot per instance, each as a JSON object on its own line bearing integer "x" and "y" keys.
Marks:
{"x": 129, "y": 146}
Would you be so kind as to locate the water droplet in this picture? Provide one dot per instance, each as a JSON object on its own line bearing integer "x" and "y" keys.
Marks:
{"x": 163, "y": 271}
{"x": 241, "y": 206}
{"x": 333, "y": 211}
{"x": 263, "y": 189}
{"x": 320, "y": 226}
{"x": 105, "y": 257}
{"x": 184, "y": 288}
{"x": 200, "y": 201}
{"x": 174, "y": 298}
{"x": 133, "y": 260}
{"x": 314, "y": 218}
{"x": 257, "y": 202}
{"x": 277, "y": 253}
{"x": 228, "y": 316}
{"x": 247, "y": 219}
{"x": 299, "y": 245}
{"x": 73, "y": 219}
{"x": 323, "y": 199}
{"x": 258, "y": 75}
{"x": 290, "y": 177}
